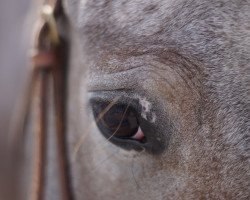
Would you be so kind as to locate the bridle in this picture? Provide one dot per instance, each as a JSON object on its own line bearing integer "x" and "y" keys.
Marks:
{"x": 48, "y": 64}
{"x": 47, "y": 76}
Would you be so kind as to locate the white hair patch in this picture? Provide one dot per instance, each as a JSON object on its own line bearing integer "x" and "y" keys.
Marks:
{"x": 146, "y": 112}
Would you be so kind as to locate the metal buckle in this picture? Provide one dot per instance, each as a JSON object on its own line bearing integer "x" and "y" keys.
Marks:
{"x": 49, "y": 18}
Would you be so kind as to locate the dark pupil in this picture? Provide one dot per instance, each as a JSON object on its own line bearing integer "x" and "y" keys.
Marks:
{"x": 119, "y": 120}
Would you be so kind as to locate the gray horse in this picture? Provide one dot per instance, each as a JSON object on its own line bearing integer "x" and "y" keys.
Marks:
{"x": 182, "y": 68}
{"x": 175, "y": 77}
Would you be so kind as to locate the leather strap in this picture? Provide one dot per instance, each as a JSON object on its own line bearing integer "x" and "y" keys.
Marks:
{"x": 47, "y": 74}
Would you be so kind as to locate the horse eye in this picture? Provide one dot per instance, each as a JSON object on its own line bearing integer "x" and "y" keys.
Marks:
{"x": 118, "y": 121}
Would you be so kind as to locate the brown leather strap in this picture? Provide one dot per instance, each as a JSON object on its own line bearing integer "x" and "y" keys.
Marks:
{"x": 48, "y": 74}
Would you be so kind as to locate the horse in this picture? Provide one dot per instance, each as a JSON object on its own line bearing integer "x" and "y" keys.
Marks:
{"x": 158, "y": 99}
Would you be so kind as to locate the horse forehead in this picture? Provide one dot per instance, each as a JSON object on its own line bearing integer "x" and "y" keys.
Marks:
{"x": 138, "y": 17}
{"x": 144, "y": 15}
{"x": 189, "y": 24}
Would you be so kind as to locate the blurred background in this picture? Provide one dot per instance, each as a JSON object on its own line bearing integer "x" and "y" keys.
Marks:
{"x": 13, "y": 55}
{"x": 14, "y": 42}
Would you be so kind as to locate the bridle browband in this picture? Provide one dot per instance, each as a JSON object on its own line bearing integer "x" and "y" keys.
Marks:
{"x": 47, "y": 76}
